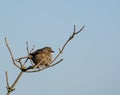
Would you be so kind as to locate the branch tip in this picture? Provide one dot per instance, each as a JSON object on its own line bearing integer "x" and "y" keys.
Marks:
{"x": 74, "y": 28}
{"x": 7, "y": 79}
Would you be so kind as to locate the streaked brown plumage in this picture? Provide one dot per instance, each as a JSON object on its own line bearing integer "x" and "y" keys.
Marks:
{"x": 42, "y": 57}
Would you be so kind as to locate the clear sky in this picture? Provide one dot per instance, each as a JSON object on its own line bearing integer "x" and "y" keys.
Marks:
{"x": 91, "y": 64}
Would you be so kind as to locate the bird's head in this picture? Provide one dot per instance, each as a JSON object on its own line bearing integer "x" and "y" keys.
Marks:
{"x": 47, "y": 50}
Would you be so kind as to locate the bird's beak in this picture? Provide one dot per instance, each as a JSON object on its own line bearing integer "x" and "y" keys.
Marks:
{"x": 52, "y": 51}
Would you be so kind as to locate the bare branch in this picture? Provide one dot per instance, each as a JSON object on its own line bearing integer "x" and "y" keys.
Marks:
{"x": 9, "y": 89}
{"x": 80, "y": 29}
{"x": 70, "y": 38}
{"x": 11, "y": 53}
{"x": 7, "y": 79}
{"x": 18, "y": 77}
{"x": 29, "y": 53}
{"x": 27, "y": 47}
{"x": 44, "y": 67}
{"x": 32, "y": 49}
{"x": 74, "y": 29}
{"x": 56, "y": 63}
{"x": 21, "y": 58}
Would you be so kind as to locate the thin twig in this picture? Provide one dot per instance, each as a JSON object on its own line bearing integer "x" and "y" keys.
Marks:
{"x": 11, "y": 53}
{"x": 29, "y": 53}
{"x": 70, "y": 38}
{"x": 20, "y": 63}
{"x": 11, "y": 88}
{"x": 80, "y": 29}
{"x": 22, "y": 58}
{"x": 32, "y": 49}
{"x": 44, "y": 67}
{"x": 27, "y": 47}
{"x": 18, "y": 77}
{"x": 7, "y": 79}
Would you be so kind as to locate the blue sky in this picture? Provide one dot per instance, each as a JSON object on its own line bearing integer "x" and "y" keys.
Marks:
{"x": 91, "y": 63}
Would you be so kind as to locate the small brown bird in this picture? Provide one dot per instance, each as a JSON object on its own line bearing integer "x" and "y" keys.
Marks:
{"x": 42, "y": 57}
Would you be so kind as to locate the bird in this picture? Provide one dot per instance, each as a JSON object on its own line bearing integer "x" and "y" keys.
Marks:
{"x": 41, "y": 57}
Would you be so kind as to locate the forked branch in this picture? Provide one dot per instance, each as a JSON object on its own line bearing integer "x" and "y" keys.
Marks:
{"x": 30, "y": 69}
{"x": 60, "y": 51}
